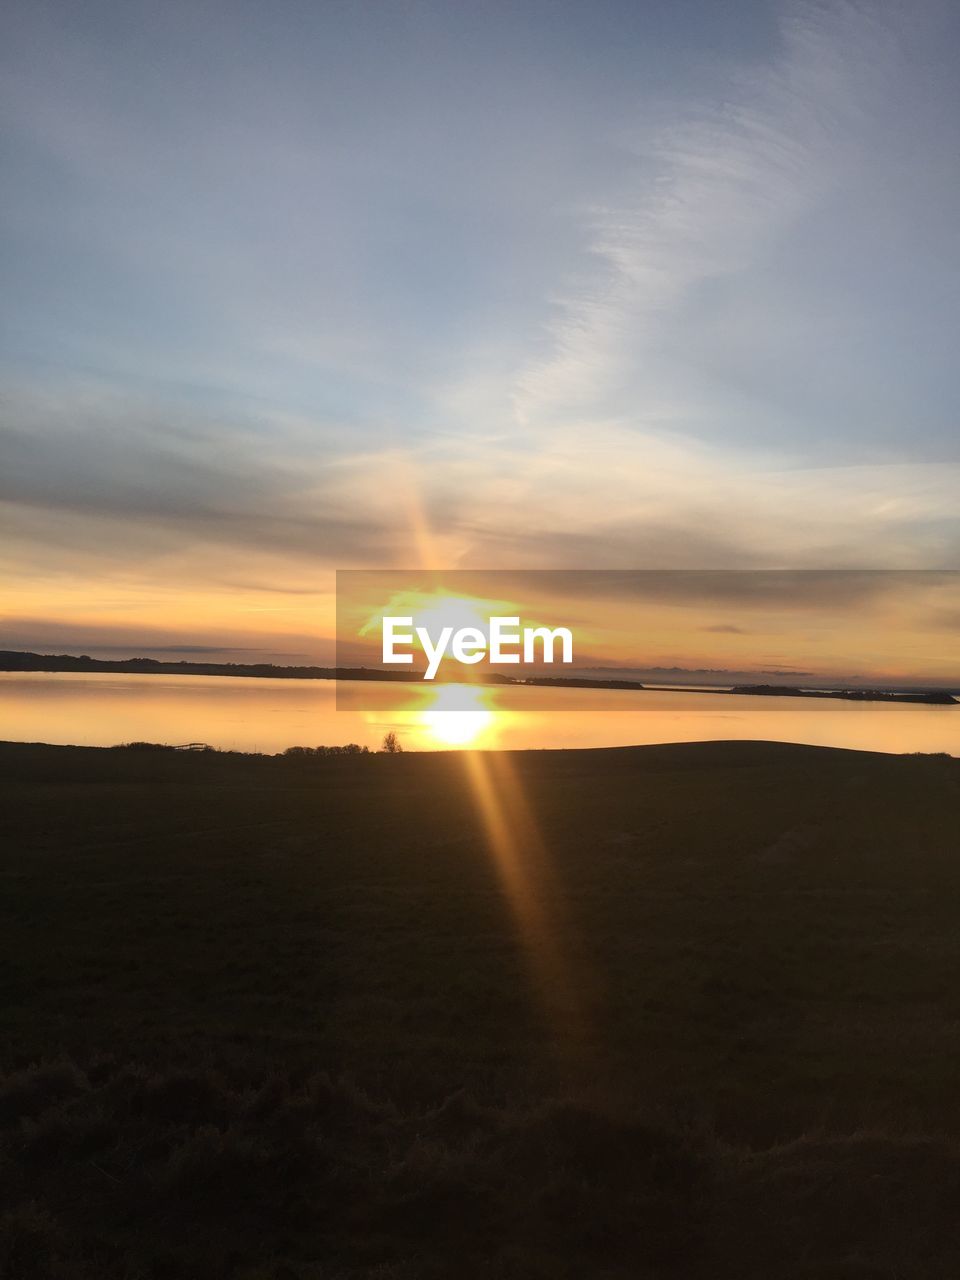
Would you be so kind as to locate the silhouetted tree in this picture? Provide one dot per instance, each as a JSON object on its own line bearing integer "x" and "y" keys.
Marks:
{"x": 391, "y": 743}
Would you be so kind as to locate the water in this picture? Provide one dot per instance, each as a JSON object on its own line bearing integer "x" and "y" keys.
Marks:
{"x": 270, "y": 715}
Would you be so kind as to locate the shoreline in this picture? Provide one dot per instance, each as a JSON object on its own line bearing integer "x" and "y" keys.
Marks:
{"x": 16, "y": 662}
{"x": 295, "y": 752}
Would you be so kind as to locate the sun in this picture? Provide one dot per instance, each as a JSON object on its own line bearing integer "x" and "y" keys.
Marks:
{"x": 451, "y": 611}
{"x": 432, "y": 612}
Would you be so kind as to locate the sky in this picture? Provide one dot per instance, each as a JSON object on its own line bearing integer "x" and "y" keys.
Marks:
{"x": 292, "y": 288}
{"x": 887, "y": 628}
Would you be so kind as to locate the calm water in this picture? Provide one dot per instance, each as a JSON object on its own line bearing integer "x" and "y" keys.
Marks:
{"x": 269, "y": 715}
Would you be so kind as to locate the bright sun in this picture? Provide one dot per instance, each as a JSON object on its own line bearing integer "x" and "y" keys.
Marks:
{"x": 451, "y": 611}
{"x": 450, "y": 715}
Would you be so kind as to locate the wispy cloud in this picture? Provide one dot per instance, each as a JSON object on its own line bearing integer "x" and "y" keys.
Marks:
{"x": 708, "y": 197}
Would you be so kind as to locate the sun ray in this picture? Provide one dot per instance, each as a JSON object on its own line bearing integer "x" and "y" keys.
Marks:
{"x": 523, "y": 862}
{"x": 516, "y": 844}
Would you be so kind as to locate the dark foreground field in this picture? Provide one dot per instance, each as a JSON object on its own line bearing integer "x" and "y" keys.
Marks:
{"x": 687, "y": 1011}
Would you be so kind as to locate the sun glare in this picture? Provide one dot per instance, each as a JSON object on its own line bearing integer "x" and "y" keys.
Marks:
{"x": 432, "y": 612}
{"x": 451, "y": 611}
{"x": 458, "y": 716}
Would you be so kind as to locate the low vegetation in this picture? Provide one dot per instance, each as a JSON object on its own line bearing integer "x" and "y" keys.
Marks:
{"x": 290, "y": 1017}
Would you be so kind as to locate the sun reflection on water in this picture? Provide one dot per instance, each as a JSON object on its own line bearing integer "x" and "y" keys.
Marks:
{"x": 447, "y": 715}
{"x": 459, "y": 716}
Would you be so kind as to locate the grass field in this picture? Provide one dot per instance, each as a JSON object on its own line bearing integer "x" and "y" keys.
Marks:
{"x": 680, "y": 1011}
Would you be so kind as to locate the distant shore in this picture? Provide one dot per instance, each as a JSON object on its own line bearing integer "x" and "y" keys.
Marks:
{"x": 26, "y": 663}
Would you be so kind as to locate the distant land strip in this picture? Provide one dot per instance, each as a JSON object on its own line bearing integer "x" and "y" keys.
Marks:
{"x": 14, "y": 660}
{"x": 17, "y": 661}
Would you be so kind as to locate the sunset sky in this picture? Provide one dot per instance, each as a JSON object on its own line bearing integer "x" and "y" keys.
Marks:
{"x": 515, "y": 285}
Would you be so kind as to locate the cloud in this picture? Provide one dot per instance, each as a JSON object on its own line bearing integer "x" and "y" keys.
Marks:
{"x": 714, "y": 191}
{"x": 623, "y": 302}
{"x": 742, "y": 285}
{"x": 105, "y": 484}
{"x": 80, "y": 467}
{"x": 118, "y": 639}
